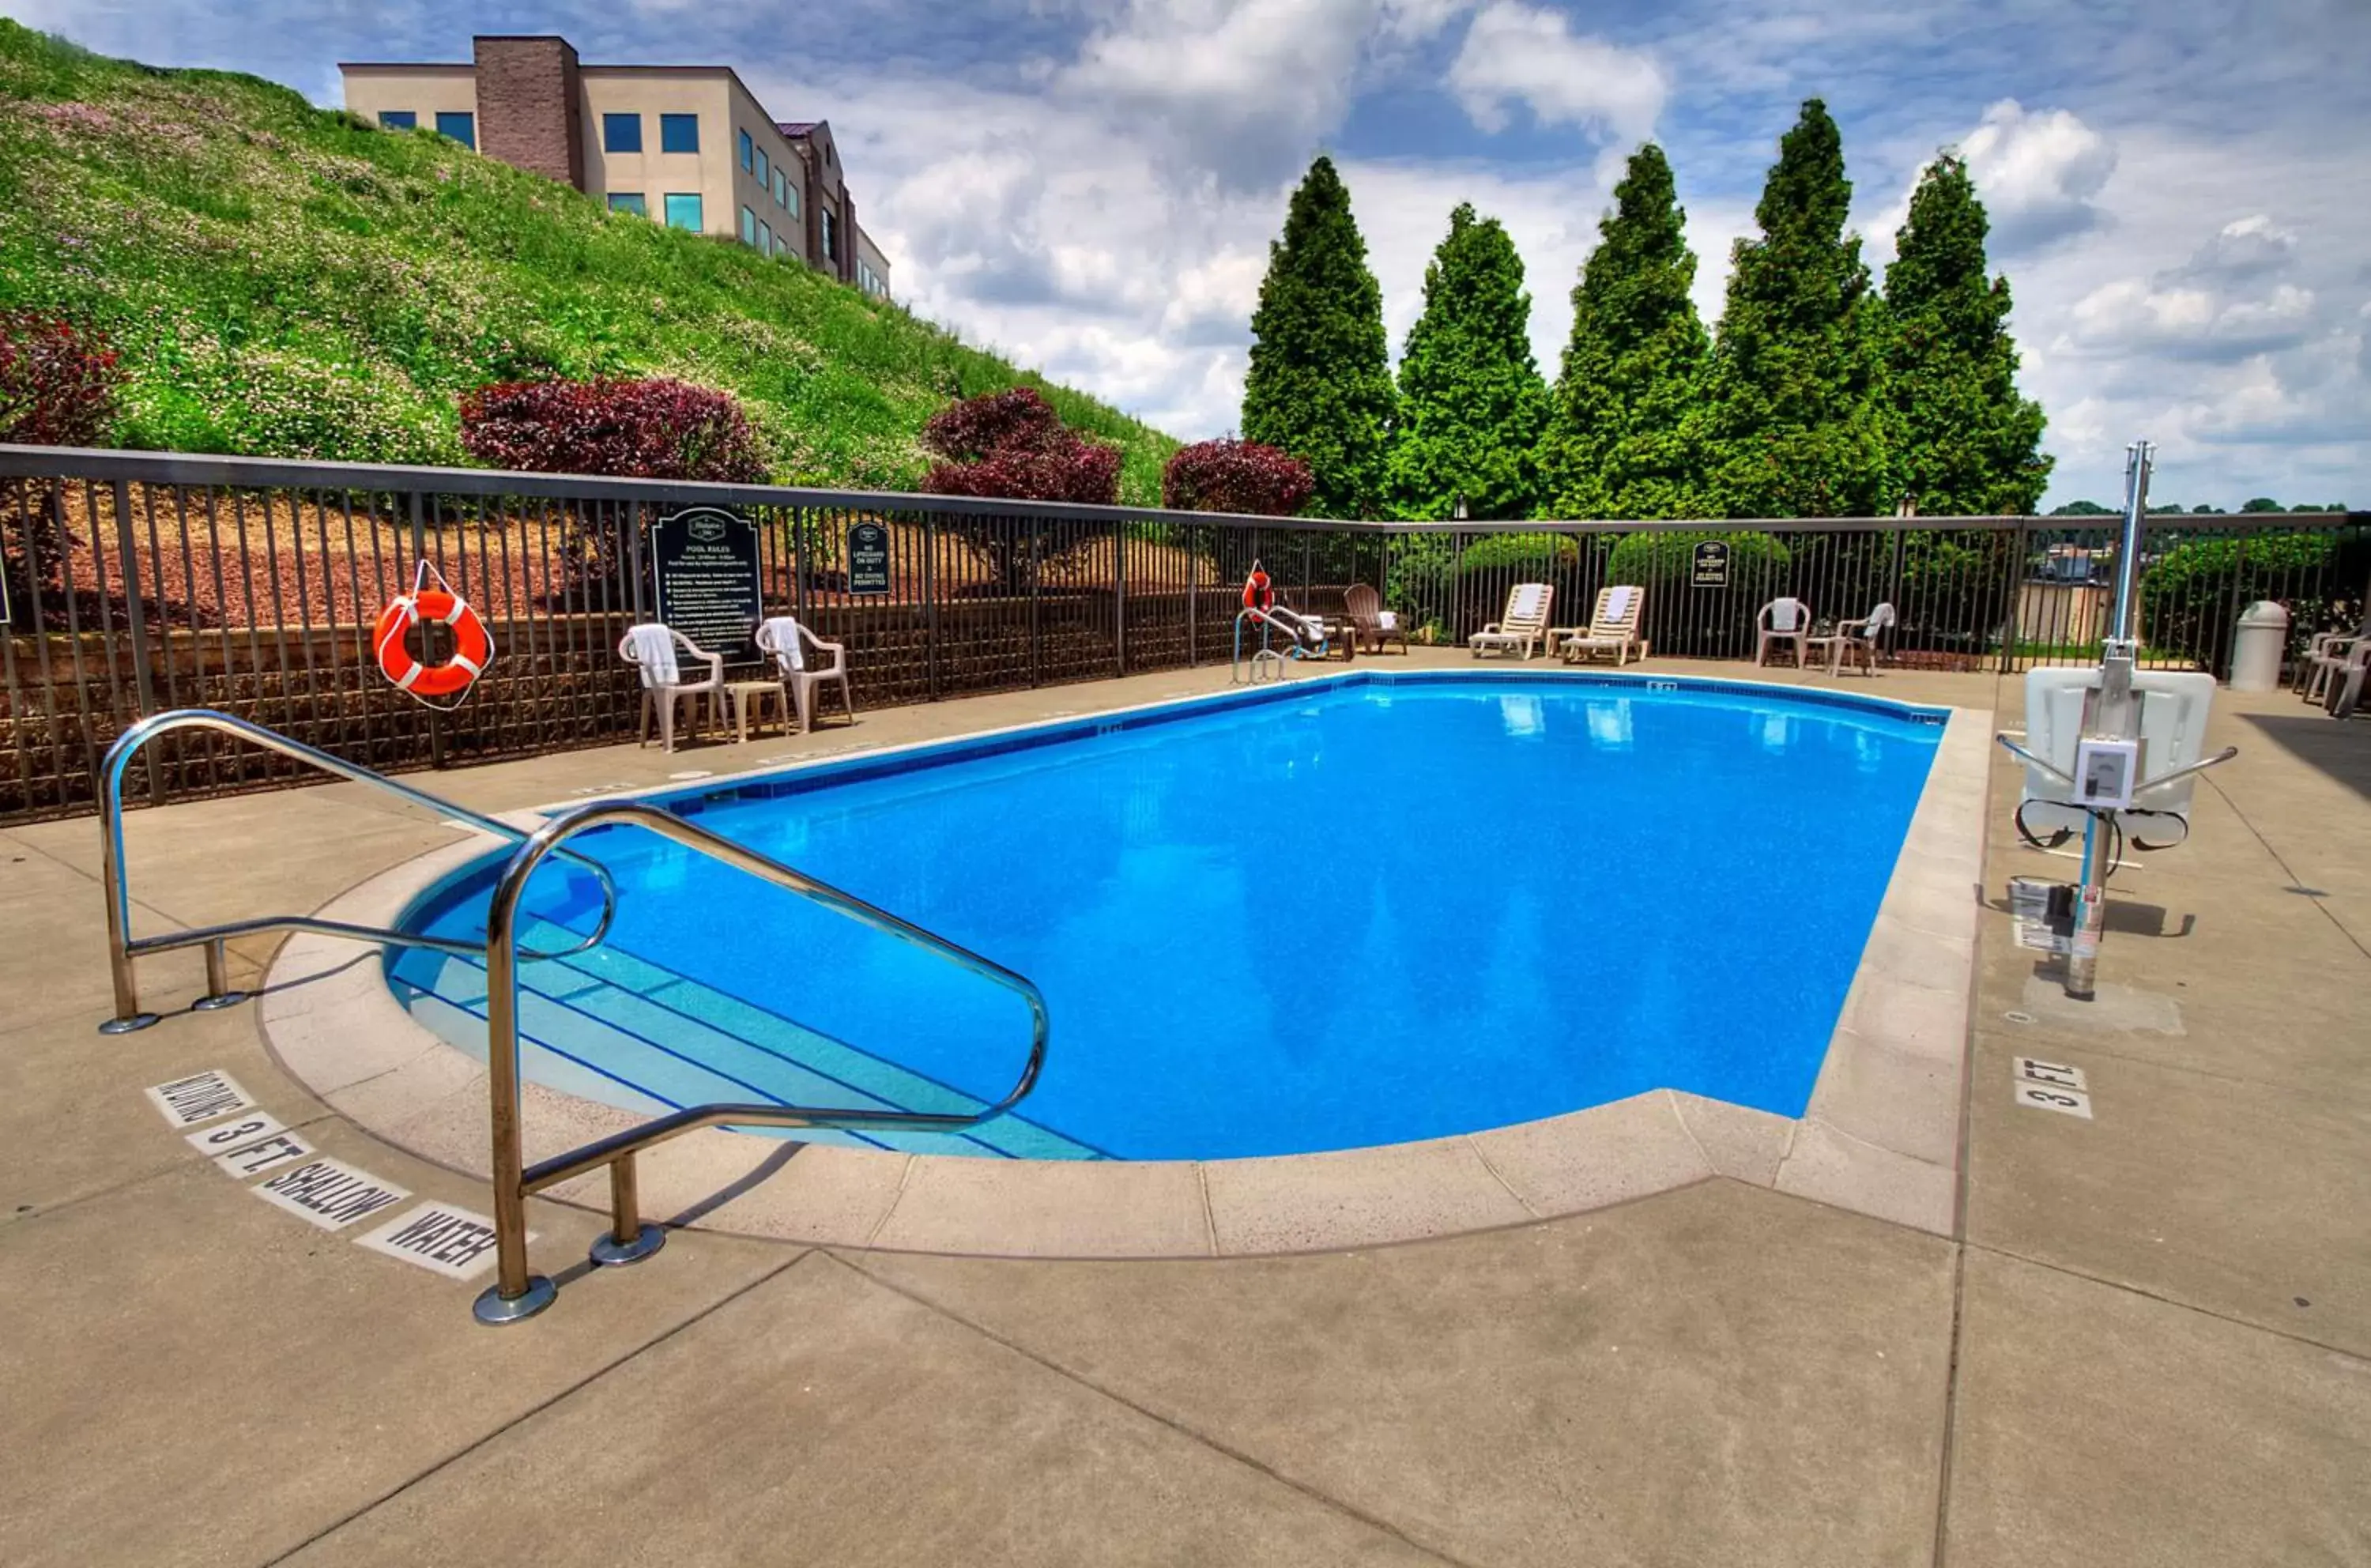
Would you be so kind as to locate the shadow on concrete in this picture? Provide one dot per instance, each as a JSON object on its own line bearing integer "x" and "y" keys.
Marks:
{"x": 2339, "y": 747}
{"x": 2124, "y": 917}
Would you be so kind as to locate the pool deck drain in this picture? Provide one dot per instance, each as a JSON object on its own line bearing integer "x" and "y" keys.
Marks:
{"x": 1880, "y": 1135}
{"x": 2147, "y": 1340}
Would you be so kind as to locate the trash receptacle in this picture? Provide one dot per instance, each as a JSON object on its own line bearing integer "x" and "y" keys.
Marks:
{"x": 2256, "y": 651}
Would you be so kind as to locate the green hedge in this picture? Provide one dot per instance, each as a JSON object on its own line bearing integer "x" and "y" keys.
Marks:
{"x": 1536, "y": 552}
{"x": 2189, "y": 605}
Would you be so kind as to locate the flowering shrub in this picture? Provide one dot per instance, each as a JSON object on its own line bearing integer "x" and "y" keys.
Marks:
{"x": 58, "y": 381}
{"x": 1013, "y": 444}
{"x": 1235, "y": 475}
{"x": 644, "y": 430}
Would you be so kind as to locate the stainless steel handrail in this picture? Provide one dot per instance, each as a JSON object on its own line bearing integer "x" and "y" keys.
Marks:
{"x": 515, "y": 1293}
{"x": 123, "y": 947}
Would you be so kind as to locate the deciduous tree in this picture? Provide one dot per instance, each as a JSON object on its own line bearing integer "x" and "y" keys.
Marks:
{"x": 1320, "y": 381}
{"x": 1797, "y": 413}
{"x": 1965, "y": 442}
{"x": 1471, "y": 404}
{"x": 1624, "y": 428}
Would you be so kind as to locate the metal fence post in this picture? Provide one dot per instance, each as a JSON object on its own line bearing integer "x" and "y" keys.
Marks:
{"x": 1119, "y": 594}
{"x": 931, "y": 605}
{"x": 143, "y": 684}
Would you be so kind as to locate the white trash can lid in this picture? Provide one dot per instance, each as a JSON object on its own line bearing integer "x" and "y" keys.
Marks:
{"x": 2265, "y": 612}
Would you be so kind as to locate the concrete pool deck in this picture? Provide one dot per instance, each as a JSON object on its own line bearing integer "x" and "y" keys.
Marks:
{"x": 1881, "y": 1134}
{"x": 2145, "y": 1339}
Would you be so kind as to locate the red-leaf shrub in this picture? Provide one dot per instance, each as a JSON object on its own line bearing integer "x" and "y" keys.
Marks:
{"x": 641, "y": 429}
{"x": 1013, "y": 444}
{"x": 1236, "y": 475}
{"x": 57, "y": 381}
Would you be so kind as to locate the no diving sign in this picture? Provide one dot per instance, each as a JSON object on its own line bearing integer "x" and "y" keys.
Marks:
{"x": 201, "y": 1096}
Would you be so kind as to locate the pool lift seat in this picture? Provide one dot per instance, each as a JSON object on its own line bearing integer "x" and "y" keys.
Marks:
{"x": 2174, "y": 704}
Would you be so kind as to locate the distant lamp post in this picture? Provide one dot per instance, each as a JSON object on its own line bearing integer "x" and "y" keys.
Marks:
{"x": 1457, "y": 510}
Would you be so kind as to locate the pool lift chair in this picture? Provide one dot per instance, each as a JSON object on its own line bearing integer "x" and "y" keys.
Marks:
{"x": 2111, "y": 753}
{"x": 1284, "y": 633}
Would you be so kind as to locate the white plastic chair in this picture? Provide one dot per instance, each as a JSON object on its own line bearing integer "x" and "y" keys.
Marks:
{"x": 794, "y": 650}
{"x": 1855, "y": 636}
{"x": 1782, "y": 620}
{"x": 651, "y": 648}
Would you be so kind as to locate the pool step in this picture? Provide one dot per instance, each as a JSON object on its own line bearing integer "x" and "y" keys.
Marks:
{"x": 667, "y": 1040}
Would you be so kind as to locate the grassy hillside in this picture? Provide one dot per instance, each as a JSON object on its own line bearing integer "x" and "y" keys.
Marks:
{"x": 287, "y": 281}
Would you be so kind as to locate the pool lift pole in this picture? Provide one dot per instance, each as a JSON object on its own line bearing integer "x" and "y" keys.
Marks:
{"x": 2108, "y": 751}
{"x": 2112, "y": 714}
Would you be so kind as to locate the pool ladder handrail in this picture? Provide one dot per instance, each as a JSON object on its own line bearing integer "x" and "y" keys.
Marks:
{"x": 124, "y": 948}
{"x": 517, "y": 1294}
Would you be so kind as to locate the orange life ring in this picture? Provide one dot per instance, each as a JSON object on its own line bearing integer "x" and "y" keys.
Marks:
{"x": 1259, "y": 594}
{"x": 473, "y": 648}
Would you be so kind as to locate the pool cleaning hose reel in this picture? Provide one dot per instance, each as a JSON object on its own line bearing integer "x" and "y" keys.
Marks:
{"x": 2091, "y": 739}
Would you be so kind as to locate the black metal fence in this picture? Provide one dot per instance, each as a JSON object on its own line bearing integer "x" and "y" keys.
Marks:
{"x": 136, "y": 581}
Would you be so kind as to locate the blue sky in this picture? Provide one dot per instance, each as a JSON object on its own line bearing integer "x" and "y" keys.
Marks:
{"x": 2180, "y": 190}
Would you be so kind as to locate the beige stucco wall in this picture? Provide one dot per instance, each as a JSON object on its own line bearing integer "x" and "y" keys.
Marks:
{"x": 870, "y": 254}
{"x": 655, "y": 174}
{"x": 426, "y": 90}
{"x": 725, "y": 109}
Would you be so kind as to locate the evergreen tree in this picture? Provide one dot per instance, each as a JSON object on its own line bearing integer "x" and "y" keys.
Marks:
{"x": 1798, "y": 423}
{"x": 1623, "y": 427}
{"x": 1471, "y": 402}
{"x": 1965, "y": 442}
{"x": 1320, "y": 384}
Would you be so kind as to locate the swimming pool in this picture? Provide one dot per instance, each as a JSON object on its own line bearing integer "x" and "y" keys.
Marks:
{"x": 1357, "y": 911}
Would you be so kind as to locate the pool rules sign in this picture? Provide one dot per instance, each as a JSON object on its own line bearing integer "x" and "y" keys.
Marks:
{"x": 704, "y": 566}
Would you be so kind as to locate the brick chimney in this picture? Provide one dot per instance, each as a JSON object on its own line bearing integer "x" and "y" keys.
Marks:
{"x": 530, "y": 106}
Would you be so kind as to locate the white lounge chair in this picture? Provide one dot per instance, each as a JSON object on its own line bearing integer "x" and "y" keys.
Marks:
{"x": 1613, "y": 627}
{"x": 1855, "y": 636}
{"x": 1524, "y": 624}
{"x": 1782, "y": 620}
{"x": 807, "y": 663}
{"x": 651, "y": 648}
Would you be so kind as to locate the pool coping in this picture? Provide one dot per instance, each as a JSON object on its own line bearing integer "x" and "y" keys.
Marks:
{"x": 1881, "y": 1133}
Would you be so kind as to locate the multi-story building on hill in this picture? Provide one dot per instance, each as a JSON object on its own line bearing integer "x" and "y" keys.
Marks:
{"x": 687, "y": 145}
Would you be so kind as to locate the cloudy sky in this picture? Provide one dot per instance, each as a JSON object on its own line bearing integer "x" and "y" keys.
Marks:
{"x": 2180, "y": 192}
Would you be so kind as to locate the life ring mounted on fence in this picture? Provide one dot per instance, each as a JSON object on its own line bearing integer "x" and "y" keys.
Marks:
{"x": 473, "y": 648}
{"x": 1259, "y": 594}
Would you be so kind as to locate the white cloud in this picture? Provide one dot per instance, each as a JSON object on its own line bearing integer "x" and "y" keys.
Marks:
{"x": 1518, "y": 54}
{"x": 2040, "y": 174}
{"x": 1246, "y": 86}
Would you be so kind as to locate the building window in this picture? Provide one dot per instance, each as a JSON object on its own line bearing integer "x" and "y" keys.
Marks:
{"x": 749, "y": 152}
{"x": 621, "y": 133}
{"x": 830, "y": 245}
{"x": 781, "y": 245}
{"x": 791, "y": 197}
{"x": 748, "y": 226}
{"x": 765, "y": 238}
{"x": 397, "y": 118}
{"x": 678, "y": 133}
{"x": 683, "y": 211}
{"x": 630, "y": 201}
{"x": 459, "y": 124}
{"x": 765, "y": 169}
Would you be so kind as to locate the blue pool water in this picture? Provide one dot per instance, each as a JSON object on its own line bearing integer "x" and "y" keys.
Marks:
{"x": 1354, "y": 913}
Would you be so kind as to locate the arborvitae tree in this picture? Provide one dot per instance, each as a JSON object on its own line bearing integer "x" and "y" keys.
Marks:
{"x": 1624, "y": 426}
{"x": 1471, "y": 402}
{"x": 1965, "y": 441}
{"x": 1797, "y": 422}
{"x": 1320, "y": 384}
